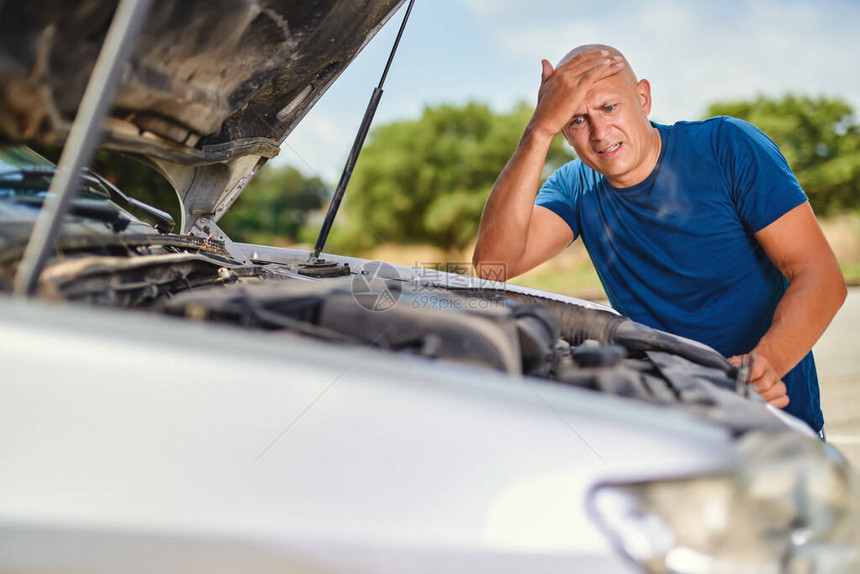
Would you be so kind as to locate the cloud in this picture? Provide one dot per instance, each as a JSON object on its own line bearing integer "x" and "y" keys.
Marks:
{"x": 485, "y": 8}
{"x": 318, "y": 144}
{"x": 542, "y": 9}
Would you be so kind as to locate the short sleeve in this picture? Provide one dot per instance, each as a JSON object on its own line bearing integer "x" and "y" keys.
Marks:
{"x": 558, "y": 195}
{"x": 761, "y": 183}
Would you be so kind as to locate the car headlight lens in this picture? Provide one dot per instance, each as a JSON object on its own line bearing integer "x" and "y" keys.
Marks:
{"x": 792, "y": 505}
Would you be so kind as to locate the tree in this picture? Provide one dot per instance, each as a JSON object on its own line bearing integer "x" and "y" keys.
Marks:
{"x": 274, "y": 206}
{"x": 819, "y": 137}
{"x": 426, "y": 180}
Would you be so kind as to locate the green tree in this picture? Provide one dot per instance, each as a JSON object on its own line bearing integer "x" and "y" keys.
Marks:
{"x": 819, "y": 137}
{"x": 274, "y": 206}
{"x": 426, "y": 180}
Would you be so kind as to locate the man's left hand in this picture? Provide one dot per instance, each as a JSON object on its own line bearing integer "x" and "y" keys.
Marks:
{"x": 764, "y": 380}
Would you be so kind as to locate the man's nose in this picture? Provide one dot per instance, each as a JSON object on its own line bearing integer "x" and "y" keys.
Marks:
{"x": 599, "y": 129}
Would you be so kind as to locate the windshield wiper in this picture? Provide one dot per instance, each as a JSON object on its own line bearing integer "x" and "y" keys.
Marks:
{"x": 83, "y": 207}
{"x": 161, "y": 220}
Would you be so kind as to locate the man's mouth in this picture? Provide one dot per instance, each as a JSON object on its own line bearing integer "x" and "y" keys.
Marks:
{"x": 611, "y": 149}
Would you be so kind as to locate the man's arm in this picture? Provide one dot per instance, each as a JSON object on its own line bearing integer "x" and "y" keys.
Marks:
{"x": 515, "y": 235}
{"x": 798, "y": 248}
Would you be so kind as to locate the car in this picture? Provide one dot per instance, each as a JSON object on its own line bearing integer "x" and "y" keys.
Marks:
{"x": 176, "y": 400}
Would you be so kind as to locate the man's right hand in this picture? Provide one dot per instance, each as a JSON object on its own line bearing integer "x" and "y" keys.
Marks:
{"x": 764, "y": 379}
{"x": 563, "y": 91}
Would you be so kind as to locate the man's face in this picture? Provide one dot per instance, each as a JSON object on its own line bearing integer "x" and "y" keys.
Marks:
{"x": 612, "y": 134}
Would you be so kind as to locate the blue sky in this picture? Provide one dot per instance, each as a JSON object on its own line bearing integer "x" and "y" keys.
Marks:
{"x": 693, "y": 53}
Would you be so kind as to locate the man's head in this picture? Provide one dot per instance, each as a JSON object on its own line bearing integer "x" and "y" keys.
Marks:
{"x": 611, "y": 133}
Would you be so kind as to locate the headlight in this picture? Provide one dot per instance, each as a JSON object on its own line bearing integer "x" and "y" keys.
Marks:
{"x": 792, "y": 505}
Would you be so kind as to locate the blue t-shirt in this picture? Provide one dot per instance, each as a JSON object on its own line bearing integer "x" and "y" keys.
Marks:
{"x": 677, "y": 251}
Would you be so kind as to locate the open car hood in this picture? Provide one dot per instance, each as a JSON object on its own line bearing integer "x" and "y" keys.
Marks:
{"x": 211, "y": 90}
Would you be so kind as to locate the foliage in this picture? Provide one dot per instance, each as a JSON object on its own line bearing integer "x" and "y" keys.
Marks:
{"x": 274, "y": 206}
{"x": 426, "y": 180}
{"x": 819, "y": 137}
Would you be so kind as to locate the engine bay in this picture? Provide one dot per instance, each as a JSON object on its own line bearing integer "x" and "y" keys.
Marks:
{"x": 493, "y": 328}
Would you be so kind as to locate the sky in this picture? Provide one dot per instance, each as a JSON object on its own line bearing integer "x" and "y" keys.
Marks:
{"x": 693, "y": 52}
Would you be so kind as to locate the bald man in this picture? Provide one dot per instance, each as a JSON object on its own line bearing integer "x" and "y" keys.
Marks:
{"x": 698, "y": 228}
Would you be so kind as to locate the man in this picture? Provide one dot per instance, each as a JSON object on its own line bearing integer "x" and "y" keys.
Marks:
{"x": 698, "y": 228}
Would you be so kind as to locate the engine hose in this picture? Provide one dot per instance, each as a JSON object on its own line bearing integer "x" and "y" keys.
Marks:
{"x": 580, "y": 323}
{"x": 638, "y": 337}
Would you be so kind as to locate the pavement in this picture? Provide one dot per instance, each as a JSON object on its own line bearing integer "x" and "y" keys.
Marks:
{"x": 837, "y": 357}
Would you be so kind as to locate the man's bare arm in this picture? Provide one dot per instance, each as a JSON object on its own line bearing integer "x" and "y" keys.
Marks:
{"x": 798, "y": 248}
{"x": 514, "y": 234}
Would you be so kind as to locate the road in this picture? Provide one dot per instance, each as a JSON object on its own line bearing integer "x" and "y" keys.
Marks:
{"x": 837, "y": 356}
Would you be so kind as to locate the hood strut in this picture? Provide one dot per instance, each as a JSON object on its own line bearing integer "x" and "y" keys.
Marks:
{"x": 83, "y": 137}
{"x": 363, "y": 129}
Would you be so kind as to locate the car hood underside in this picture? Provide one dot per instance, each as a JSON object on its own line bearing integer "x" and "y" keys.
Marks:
{"x": 210, "y": 91}
{"x": 204, "y": 76}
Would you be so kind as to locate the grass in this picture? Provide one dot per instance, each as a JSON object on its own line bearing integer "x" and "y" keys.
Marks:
{"x": 851, "y": 271}
{"x": 581, "y": 282}
{"x": 571, "y": 273}
{"x": 843, "y": 233}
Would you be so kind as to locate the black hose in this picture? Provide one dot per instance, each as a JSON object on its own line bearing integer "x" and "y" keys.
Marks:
{"x": 638, "y": 337}
{"x": 579, "y": 324}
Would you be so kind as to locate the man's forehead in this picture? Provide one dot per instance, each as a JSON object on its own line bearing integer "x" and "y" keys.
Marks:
{"x": 603, "y": 93}
{"x": 609, "y": 88}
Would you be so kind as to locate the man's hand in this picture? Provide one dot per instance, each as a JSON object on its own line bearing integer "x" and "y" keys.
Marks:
{"x": 763, "y": 379}
{"x": 563, "y": 91}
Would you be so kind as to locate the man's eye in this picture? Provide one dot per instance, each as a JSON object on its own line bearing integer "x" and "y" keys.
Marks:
{"x": 577, "y": 121}
{"x": 609, "y": 108}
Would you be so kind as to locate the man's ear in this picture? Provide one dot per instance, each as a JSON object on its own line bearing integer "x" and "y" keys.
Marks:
{"x": 644, "y": 90}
